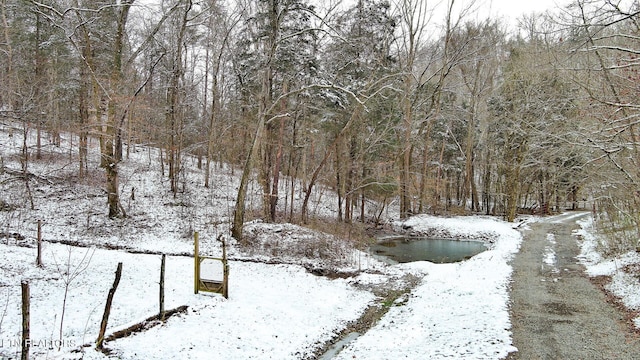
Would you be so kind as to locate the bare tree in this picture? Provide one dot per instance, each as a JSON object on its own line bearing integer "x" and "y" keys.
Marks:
{"x": 604, "y": 63}
{"x": 219, "y": 33}
{"x": 69, "y": 272}
{"x": 477, "y": 73}
{"x": 415, "y": 16}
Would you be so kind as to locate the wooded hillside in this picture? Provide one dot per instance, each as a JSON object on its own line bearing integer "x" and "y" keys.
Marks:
{"x": 433, "y": 111}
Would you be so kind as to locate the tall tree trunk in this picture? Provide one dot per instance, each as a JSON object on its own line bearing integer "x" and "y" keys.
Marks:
{"x": 212, "y": 116}
{"x": 273, "y": 198}
{"x": 83, "y": 116}
{"x": 350, "y": 194}
{"x": 273, "y": 203}
{"x": 175, "y": 114}
{"x": 266, "y": 165}
{"x": 39, "y": 70}
{"x": 238, "y": 213}
{"x": 407, "y": 119}
{"x": 474, "y": 192}
{"x": 339, "y": 182}
{"x": 414, "y": 20}
{"x": 469, "y": 176}
{"x": 108, "y": 152}
{"x": 486, "y": 183}
{"x": 294, "y": 166}
{"x": 24, "y": 161}
{"x": 424, "y": 174}
{"x": 440, "y": 177}
{"x": 362, "y": 194}
{"x": 9, "y": 91}
{"x": 88, "y": 85}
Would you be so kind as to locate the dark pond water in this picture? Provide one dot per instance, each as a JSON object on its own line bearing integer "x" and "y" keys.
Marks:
{"x": 403, "y": 250}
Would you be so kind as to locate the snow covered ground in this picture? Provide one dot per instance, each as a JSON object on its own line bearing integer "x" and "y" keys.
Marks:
{"x": 459, "y": 311}
{"x": 622, "y": 269}
{"x": 273, "y": 312}
{"x": 276, "y": 308}
{"x": 267, "y": 308}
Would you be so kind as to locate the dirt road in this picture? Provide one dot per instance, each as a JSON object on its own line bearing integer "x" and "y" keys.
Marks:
{"x": 556, "y": 312}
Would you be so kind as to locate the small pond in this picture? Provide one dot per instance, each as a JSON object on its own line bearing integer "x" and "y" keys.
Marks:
{"x": 409, "y": 249}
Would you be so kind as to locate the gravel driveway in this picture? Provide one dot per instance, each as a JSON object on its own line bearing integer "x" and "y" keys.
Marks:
{"x": 556, "y": 312}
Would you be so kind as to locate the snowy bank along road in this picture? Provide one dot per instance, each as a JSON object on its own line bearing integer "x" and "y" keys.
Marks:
{"x": 557, "y": 313}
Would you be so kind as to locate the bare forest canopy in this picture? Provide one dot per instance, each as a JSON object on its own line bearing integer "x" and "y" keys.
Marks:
{"x": 385, "y": 101}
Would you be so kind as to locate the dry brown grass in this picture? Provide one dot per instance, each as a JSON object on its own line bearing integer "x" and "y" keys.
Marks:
{"x": 354, "y": 233}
